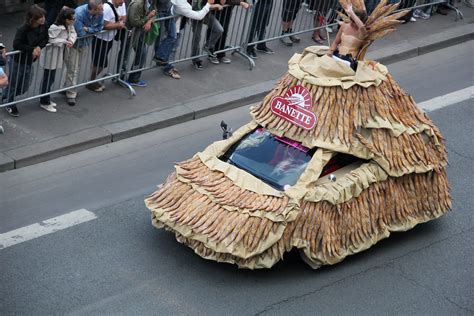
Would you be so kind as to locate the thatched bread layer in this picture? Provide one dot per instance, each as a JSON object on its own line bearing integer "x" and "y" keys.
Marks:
{"x": 326, "y": 232}
{"x": 228, "y": 215}
{"x": 379, "y": 122}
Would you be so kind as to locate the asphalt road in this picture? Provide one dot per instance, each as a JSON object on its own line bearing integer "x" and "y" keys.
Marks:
{"x": 119, "y": 264}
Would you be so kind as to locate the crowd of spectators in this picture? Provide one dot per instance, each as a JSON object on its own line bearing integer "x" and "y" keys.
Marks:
{"x": 65, "y": 34}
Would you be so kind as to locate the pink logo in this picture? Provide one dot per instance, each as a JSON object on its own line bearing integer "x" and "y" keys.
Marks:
{"x": 295, "y": 107}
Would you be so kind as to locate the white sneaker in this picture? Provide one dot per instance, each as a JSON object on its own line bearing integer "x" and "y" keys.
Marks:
{"x": 48, "y": 107}
{"x": 412, "y": 19}
{"x": 52, "y": 103}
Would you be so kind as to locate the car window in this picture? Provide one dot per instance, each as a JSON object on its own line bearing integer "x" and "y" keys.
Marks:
{"x": 337, "y": 162}
{"x": 278, "y": 161}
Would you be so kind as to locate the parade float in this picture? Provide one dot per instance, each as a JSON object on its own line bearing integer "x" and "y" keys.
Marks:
{"x": 334, "y": 160}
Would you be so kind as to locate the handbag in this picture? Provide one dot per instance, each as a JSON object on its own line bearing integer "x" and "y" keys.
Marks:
{"x": 154, "y": 32}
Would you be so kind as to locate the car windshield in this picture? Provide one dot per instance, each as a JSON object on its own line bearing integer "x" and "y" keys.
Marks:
{"x": 277, "y": 161}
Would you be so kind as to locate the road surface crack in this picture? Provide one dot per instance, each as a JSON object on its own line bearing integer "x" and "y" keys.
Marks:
{"x": 297, "y": 297}
{"x": 413, "y": 281}
{"x": 452, "y": 150}
{"x": 380, "y": 266}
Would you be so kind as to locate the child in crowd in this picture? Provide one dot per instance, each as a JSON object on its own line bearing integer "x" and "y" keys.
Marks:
{"x": 61, "y": 34}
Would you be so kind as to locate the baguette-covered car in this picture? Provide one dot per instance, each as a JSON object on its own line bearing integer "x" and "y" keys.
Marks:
{"x": 336, "y": 157}
{"x": 329, "y": 165}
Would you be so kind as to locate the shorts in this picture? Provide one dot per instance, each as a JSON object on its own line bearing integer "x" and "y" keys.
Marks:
{"x": 347, "y": 59}
{"x": 290, "y": 10}
{"x": 100, "y": 52}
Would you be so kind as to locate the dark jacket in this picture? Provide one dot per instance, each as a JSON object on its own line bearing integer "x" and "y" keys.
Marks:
{"x": 163, "y": 5}
{"x": 26, "y": 39}
{"x": 137, "y": 13}
{"x": 58, "y": 4}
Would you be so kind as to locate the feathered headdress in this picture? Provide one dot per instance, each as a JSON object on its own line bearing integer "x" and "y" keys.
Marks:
{"x": 381, "y": 22}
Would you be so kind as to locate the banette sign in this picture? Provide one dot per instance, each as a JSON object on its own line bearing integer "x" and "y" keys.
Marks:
{"x": 295, "y": 107}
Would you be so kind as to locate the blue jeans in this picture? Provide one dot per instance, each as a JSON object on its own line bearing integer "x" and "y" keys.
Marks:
{"x": 137, "y": 41}
{"x": 260, "y": 20}
{"x": 164, "y": 46}
{"x": 175, "y": 47}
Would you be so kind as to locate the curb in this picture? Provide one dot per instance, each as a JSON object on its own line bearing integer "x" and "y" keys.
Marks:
{"x": 204, "y": 106}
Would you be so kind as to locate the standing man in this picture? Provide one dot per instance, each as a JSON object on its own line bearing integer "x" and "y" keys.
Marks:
{"x": 258, "y": 26}
{"x": 102, "y": 42}
{"x": 165, "y": 43}
{"x": 185, "y": 10}
{"x": 224, "y": 17}
{"x": 89, "y": 20}
{"x": 140, "y": 17}
{"x": 121, "y": 37}
{"x": 216, "y": 31}
{"x": 288, "y": 15}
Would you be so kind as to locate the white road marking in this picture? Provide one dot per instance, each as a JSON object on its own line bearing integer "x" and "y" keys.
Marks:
{"x": 448, "y": 99}
{"x": 48, "y": 226}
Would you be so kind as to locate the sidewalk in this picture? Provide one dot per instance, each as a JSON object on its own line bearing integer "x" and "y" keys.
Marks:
{"x": 100, "y": 118}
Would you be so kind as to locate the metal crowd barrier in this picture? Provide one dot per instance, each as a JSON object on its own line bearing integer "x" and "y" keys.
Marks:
{"x": 46, "y": 75}
{"x": 244, "y": 29}
{"x": 192, "y": 39}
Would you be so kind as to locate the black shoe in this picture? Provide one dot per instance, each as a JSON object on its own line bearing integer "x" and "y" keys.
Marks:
{"x": 209, "y": 52}
{"x": 265, "y": 50}
{"x": 12, "y": 110}
{"x": 71, "y": 101}
{"x": 159, "y": 61}
{"x": 252, "y": 54}
{"x": 198, "y": 65}
{"x": 442, "y": 11}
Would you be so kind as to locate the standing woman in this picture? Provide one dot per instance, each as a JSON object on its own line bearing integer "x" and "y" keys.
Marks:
{"x": 61, "y": 34}
{"x": 321, "y": 10}
{"x": 30, "y": 38}
{"x": 350, "y": 38}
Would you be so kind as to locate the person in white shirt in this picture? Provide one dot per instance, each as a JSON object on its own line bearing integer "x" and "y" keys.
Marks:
{"x": 185, "y": 10}
{"x": 114, "y": 21}
{"x": 120, "y": 37}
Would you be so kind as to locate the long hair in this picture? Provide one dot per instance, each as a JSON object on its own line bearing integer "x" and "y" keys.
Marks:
{"x": 34, "y": 13}
{"x": 66, "y": 13}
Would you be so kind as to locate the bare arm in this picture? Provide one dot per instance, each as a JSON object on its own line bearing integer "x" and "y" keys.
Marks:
{"x": 355, "y": 18}
{"x": 336, "y": 41}
{"x": 109, "y": 25}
